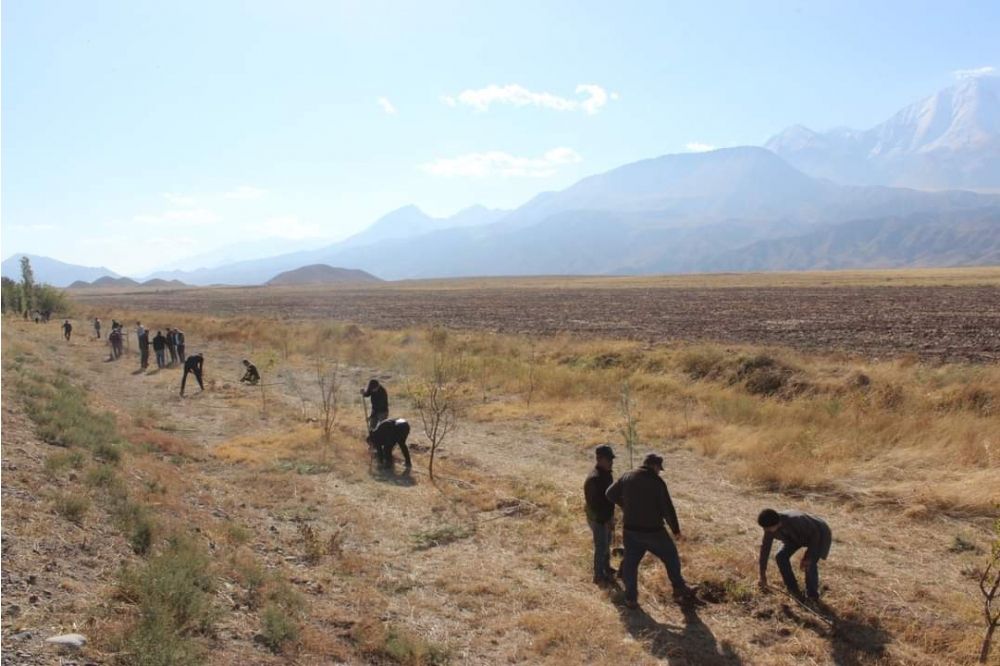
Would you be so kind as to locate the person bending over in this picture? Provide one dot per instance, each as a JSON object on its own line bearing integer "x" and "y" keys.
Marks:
{"x": 194, "y": 364}
{"x": 251, "y": 376}
{"x": 384, "y": 438}
{"x": 796, "y": 530}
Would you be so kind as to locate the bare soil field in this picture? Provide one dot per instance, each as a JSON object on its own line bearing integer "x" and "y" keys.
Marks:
{"x": 876, "y": 315}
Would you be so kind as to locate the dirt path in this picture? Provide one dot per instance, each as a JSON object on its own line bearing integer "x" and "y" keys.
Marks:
{"x": 494, "y": 562}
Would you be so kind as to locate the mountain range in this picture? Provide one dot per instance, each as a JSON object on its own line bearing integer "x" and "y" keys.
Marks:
{"x": 950, "y": 140}
{"x": 920, "y": 189}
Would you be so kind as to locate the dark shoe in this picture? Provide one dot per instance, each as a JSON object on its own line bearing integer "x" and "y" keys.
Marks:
{"x": 687, "y": 594}
{"x": 632, "y": 605}
{"x": 610, "y": 572}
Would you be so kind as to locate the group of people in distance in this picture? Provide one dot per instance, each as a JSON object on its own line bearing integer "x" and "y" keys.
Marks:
{"x": 647, "y": 510}
{"x": 173, "y": 343}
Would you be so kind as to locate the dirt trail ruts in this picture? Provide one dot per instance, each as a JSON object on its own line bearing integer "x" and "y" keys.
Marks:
{"x": 484, "y": 593}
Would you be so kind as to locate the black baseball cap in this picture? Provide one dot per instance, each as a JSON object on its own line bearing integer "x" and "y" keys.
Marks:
{"x": 604, "y": 451}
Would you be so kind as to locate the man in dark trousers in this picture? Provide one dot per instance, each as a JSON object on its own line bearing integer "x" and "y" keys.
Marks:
{"x": 143, "y": 336}
{"x": 159, "y": 348}
{"x": 646, "y": 505}
{"x": 179, "y": 339}
{"x": 252, "y": 375}
{"x": 386, "y": 436}
{"x": 380, "y": 403}
{"x": 67, "y": 329}
{"x": 194, "y": 365}
{"x": 601, "y": 512}
{"x": 172, "y": 345}
{"x": 796, "y": 530}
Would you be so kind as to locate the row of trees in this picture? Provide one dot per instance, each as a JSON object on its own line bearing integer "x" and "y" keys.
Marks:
{"x": 29, "y": 295}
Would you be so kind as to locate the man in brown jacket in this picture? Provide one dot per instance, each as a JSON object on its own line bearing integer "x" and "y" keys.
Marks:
{"x": 646, "y": 505}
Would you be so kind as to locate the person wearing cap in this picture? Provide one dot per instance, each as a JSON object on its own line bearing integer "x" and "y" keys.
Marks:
{"x": 646, "y": 509}
{"x": 252, "y": 375}
{"x": 380, "y": 403}
{"x": 796, "y": 530}
{"x": 601, "y": 512}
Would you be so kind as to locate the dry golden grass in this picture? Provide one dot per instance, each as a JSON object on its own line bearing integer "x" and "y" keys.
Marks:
{"x": 490, "y": 564}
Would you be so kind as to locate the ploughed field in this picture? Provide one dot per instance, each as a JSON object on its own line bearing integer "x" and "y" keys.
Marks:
{"x": 955, "y": 321}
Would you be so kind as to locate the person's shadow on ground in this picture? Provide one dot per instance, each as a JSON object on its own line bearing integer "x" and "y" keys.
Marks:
{"x": 852, "y": 643}
{"x": 692, "y": 643}
{"x": 397, "y": 476}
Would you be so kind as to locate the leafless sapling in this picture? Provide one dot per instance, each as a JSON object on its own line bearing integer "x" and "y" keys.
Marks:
{"x": 436, "y": 399}
{"x": 989, "y": 585}
{"x": 628, "y": 409}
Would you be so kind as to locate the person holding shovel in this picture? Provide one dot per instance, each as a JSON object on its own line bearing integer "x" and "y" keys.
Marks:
{"x": 380, "y": 403}
{"x": 601, "y": 512}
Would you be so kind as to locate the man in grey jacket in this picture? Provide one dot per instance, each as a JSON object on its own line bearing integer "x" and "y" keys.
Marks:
{"x": 796, "y": 530}
{"x": 646, "y": 505}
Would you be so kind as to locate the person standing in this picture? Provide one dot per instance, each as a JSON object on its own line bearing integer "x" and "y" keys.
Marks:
{"x": 601, "y": 512}
{"x": 796, "y": 530}
{"x": 380, "y": 403}
{"x": 646, "y": 506}
{"x": 159, "y": 347}
{"x": 115, "y": 340}
{"x": 194, "y": 364}
{"x": 172, "y": 346}
{"x": 143, "y": 336}
{"x": 179, "y": 341}
{"x": 97, "y": 327}
{"x": 67, "y": 329}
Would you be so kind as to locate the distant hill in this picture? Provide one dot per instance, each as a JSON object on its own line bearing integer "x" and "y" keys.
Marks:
{"x": 52, "y": 271}
{"x": 322, "y": 274}
{"x": 965, "y": 238}
{"x": 114, "y": 282}
{"x": 159, "y": 282}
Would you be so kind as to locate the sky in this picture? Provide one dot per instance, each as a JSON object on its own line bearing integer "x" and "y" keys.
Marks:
{"x": 136, "y": 133}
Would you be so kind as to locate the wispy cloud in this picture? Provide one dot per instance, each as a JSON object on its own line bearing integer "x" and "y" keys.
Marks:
{"x": 387, "y": 106}
{"x": 698, "y": 147}
{"x": 592, "y": 98}
{"x": 245, "y": 192}
{"x": 988, "y": 70}
{"x": 191, "y": 217}
{"x": 497, "y": 163}
{"x": 287, "y": 226}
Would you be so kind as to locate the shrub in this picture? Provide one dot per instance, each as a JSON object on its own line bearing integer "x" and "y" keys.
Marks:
{"x": 58, "y": 462}
{"x": 72, "y": 507}
{"x": 277, "y": 627}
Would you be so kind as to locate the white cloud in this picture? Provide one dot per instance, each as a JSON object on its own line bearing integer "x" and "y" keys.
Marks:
{"x": 497, "y": 163}
{"x": 191, "y": 217}
{"x": 698, "y": 147}
{"x": 287, "y": 226}
{"x": 988, "y": 70}
{"x": 245, "y": 192}
{"x": 387, "y": 106}
{"x": 594, "y": 97}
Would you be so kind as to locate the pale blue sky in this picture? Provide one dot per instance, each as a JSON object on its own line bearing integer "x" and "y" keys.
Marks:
{"x": 135, "y": 133}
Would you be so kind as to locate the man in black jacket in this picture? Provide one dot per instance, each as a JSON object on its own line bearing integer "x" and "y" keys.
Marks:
{"x": 159, "y": 347}
{"x": 380, "y": 403}
{"x": 601, "y": 512}
{"x": 194, "y": 365}
{"x": 645, "y": 503}
{"x": 386, "y": 436}
{"x": 796, "y": 530}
